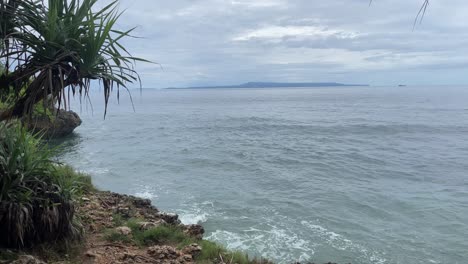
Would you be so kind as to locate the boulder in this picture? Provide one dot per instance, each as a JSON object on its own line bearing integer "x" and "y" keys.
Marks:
{"x": 124, "y": 230}
{"x": 61, "y": 124}
{"x": 170, "y": 218}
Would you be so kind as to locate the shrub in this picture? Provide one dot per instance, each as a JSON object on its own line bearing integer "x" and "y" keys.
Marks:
{"x": 35, "y": 194}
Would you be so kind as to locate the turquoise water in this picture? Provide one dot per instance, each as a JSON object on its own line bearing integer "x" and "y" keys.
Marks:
{"x": 360, "y": 175}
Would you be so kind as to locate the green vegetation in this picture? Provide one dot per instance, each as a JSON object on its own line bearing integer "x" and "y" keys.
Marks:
{"x": 153, "y": 236}
{"x": 36, "y": 193}
{"x": 174, "y": 235}
{"x": 56, "y": 49}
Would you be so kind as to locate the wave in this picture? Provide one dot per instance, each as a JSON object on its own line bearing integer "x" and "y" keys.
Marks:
{"x": 193, "y": 218}
{"x": 146, "y": 194}
{"x": 196, "y": 213}
{"x": 267, "y": 243}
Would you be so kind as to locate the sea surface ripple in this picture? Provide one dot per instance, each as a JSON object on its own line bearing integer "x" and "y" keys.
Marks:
{"x": 361, "y": 175}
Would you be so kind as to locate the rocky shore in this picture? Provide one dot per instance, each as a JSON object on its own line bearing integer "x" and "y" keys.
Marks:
{"x": 110, "y": 239}
{"x": 99, "y": 210}
{"x": 109, "y": 236}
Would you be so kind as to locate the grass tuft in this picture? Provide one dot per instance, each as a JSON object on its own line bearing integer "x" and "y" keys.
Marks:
{"x": 114, "y": 236}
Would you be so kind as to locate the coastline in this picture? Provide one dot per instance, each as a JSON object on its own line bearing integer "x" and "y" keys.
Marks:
{"x": 113, "y": 224}
{"x": 119, "y": 228}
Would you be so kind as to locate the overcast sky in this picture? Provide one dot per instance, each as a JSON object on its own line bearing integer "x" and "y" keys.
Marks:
{"x": 211, "y": 42}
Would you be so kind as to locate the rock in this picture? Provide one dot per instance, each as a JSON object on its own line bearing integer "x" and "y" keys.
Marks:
{"x": 171, "y": 219}
{"x": 192, "y": 250}
{"x": 187, "y": 258}
{"x": 141, "y": 203}
{"x": 124, "y": 211}
{"x": 62, "y": 123}
{"x": 85, "y": 199}
{"x": 127, "y": 257}
{"x": 91, "y": 254}
{"x": 27, "y": 259}
{"x": 124, "y": 230}
{"x": 163, "y": 252}
{"x": 150, "y": 225}
{"x": 195, "y": 231}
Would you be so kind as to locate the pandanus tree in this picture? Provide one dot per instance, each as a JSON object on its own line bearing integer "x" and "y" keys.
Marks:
{"x": 57, "y": 48}
{"x": 49, "y": 50}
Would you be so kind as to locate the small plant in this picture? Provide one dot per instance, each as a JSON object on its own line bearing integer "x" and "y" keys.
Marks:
{"x": 114, "y": 236}
{"x": 158, "y": 235}
{"x": 118, "y": 220}
{"x": 210, "y": 251}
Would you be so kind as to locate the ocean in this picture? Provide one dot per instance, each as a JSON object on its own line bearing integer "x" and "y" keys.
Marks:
{"x": 362, "y": 175}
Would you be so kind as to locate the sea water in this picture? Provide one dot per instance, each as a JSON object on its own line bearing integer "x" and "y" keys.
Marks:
{"x": 347, "y": 174}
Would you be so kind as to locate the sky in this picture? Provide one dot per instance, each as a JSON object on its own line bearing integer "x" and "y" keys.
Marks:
{"x": 216, "y": 42}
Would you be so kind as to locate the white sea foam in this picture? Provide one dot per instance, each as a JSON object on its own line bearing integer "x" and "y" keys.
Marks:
{"x": 196, "y": 213}
{"x": 146, "y": 194}
{"x": 267, "y": 243}
{"x": 193, "y": 218}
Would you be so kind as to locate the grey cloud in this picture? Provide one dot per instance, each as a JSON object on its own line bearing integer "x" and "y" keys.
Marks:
{"x": 215, "y": 42}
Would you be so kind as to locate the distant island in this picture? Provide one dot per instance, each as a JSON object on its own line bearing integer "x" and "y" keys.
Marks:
{"x": 274, "y": 85}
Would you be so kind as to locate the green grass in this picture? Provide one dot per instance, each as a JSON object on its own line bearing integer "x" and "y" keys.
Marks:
{"x": 118, "y": 220}
{"x": 73, "y": 183}
{"x": 114, "y": 236}
{"x": 158, "y": 235}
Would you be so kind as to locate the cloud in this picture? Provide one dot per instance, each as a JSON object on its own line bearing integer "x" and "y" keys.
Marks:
{"x": 259, "y": 3}
{"x": 278, "y": 32}
{"x": 203, "y": 42}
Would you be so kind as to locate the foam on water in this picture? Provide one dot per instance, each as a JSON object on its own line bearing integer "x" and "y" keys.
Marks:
{"x": 266, "y": 243}
{"x": 193, "y": 218}
{"x": 146, "y": 194}
{"x": 196, "y": 212}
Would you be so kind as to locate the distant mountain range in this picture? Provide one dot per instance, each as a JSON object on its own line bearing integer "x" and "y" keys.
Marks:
{"x": 274, "y": 85}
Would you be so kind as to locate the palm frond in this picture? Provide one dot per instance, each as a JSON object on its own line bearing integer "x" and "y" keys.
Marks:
{"x": 63, "y": 46}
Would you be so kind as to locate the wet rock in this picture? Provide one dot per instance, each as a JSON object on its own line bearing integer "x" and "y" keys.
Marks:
{"x": 124, "y": 230}
{"x": 141, "y": 203}
{"x": 27, "y": 259}
{"x": 195, "y": 231}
